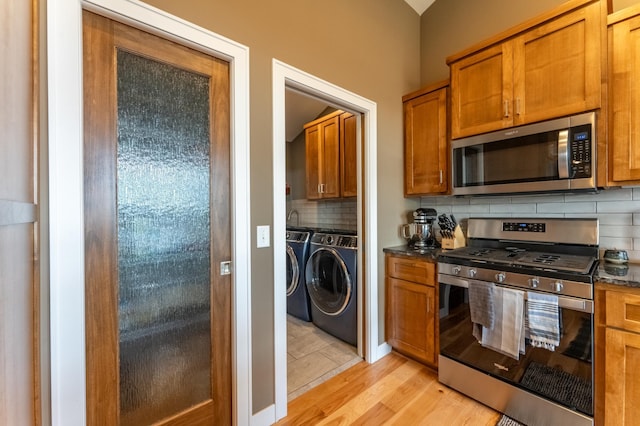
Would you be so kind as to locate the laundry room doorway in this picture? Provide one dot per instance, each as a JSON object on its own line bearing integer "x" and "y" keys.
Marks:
{"x": 288, "y": 80}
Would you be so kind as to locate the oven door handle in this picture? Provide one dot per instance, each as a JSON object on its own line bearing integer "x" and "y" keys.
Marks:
{"x": 573, "y": 303}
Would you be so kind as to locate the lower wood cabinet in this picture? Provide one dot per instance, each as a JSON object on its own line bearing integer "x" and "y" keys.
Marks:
{"x": 411, "y": 308}
{"x": 617, "y": 355}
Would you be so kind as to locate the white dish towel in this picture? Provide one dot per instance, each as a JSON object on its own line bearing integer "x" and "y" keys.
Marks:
{"x": 507, "y": 334}
{"x": 544, "y": 320}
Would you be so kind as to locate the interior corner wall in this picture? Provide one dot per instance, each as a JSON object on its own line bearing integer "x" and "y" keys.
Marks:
{"x": 368, "y": 47}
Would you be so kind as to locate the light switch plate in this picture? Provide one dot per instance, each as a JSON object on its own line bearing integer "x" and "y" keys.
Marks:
{"x": 262, "y": 236}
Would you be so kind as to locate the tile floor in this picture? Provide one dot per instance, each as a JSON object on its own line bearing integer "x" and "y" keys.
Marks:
{"x": 314, "y": 356}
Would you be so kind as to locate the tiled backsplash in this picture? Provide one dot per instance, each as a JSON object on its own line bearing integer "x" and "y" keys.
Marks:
{"x": 338, "y": 214}
{"x": 617, "y": 209}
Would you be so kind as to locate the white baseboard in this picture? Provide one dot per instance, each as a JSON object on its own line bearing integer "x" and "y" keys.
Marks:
{"x": 383, "y": 350}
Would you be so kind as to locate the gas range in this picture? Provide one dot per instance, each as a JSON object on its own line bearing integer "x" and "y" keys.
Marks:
{"x": 527, "y": 277}
{"x": 554, "y": 255}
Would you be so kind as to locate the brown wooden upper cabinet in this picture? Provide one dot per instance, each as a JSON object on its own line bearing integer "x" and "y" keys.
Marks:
{"x": 624, "y": 96}
{"x": 426, "y": 149}
{"x": 548, "y": 67}
{"x": 348, "y": 155}
{"x": 331, "y": 149}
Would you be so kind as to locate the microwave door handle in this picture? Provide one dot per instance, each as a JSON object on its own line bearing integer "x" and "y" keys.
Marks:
{"x": 563, "y": 154}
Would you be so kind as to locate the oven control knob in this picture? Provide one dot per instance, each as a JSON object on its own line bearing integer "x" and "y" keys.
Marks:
{"x": 558, "y": 286}
{"x": 500, "y": 277}
{"x": 456, "y": 270}
{"x": 472, "y": 273}
{"x": 533, "y": 282}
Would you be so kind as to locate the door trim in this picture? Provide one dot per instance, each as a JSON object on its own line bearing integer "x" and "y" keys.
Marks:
{"x": 284, "y": 76}
{"x": 65, "y": 116}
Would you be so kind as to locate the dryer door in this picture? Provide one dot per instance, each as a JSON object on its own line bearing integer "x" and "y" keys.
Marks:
{"x": 328, "y": 281}
{"x": 293, "y": 271}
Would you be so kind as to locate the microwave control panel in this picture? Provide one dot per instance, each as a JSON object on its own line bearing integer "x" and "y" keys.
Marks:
{"x": 580, "y": 158}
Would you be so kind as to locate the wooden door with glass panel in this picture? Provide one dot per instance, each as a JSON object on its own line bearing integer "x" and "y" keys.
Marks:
{"x": 157, "y": 231}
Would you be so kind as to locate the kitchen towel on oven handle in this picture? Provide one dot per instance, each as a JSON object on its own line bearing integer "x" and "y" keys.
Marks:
{"x": 507, "y": 335}
{"x": 544, "y": 320}
{"x": 481, "y": 307}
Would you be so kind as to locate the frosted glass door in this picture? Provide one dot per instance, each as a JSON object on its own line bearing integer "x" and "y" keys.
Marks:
{"x": 163, "y": 239}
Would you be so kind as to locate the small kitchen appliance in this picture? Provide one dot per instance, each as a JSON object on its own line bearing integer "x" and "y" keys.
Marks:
{"x": 420, "y": 232}
{"x": 540, "y": 270}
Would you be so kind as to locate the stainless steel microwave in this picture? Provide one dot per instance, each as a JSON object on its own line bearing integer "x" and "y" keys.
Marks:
{"x": 555, "y": 155}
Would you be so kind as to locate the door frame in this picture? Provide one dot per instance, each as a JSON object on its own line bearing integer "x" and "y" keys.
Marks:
{"x": 287, "y": 76}
{"x": 65, "y": 136}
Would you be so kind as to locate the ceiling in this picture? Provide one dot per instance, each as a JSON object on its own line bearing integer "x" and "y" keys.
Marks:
{"x": 420, "y": 5}
{"x": 300, "y": 108}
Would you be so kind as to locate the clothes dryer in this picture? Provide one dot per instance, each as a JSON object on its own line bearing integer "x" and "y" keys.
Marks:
{"x": 331, "y": 277}
{"x": 298, "y": 303}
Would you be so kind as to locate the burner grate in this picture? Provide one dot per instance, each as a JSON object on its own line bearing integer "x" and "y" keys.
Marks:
{"x": 546, "y": 259}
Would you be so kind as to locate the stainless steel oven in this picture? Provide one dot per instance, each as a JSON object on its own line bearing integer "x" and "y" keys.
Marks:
{"x": 550, "y": 258}
{"x": 556, "y": 155}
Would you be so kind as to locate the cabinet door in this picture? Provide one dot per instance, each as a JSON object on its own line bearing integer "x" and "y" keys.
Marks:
{"x": 624, "y": 101}
{"x": 621, "y": 370}
{"x": 411, "y": 269}
{"x": 323, "y": 159}
{"x": 557, "y": 67}
{"x": 411, "y": 319}
{"x": 425, "y": 144}
{"x": 348, "y": 155}
{"x": 481, "y": 91}
{"x": 330, "y": 158}
{"x": 623, "y": 310}
{"x": 312, "y": 141}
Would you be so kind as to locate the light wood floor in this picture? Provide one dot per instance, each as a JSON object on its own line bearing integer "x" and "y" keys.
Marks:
{"x": 394, "y": 390}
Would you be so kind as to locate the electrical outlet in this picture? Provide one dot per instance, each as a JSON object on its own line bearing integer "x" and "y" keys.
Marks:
{"x": 262, "y": 236}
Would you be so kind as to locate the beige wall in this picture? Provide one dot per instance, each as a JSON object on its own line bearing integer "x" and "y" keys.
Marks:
{"x": 369, "y": 47}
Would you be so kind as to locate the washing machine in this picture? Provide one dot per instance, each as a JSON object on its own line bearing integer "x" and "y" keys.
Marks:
{"x": 298, "y": 245}
{"x": 332, "y": 282}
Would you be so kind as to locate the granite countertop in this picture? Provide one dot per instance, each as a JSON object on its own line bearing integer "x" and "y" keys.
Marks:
{"x": 404, "y": 250}
{"x": 624, "y": 275}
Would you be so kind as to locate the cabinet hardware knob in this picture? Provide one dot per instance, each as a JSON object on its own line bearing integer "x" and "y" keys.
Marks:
{"x": 506, "y": 108}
